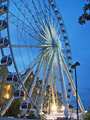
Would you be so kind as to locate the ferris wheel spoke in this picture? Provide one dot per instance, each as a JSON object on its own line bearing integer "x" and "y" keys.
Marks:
{"x": 36, "y": 10}
{"x": 33, "y": 63}
{"x": 46, "y": 80}
{"x": 46, "y": 41}
{"x": 25, "y": 15}
{"x": 36, "y": 73}
{"x": 27, "y": 29}
{"x": 31, "y": 46}
{"x": 72, "y": 83}
{"x": 44, "y": 73}
{"x": 35, "y": 77}
{"x": 65, "y": 91}
{"x": 41, "y": 10}
{"x": 51, "y": 84}
{"x": 61, "y": 85}
{"x": 48, "y": 51}
{"x": 46, "y": 34}
{"x": 26, "y": 5}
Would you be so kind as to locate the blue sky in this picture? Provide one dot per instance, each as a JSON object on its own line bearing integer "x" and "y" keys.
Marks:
{"x": 79, "y": 37}
{"x": 79, "y": 42}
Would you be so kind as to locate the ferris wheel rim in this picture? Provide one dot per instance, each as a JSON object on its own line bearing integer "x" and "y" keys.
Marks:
{"x": 68, "y": 40}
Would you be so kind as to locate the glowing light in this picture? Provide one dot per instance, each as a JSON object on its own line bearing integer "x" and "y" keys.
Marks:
{"x": 31, "y": 76}
{"x": 8, "y": 87}
{"x": 24, "y": 98}
{"x": 63, "y": 108}
{"x": 54, "y": 107}
{"x": 7, "y": 96}
{"x": 37, "y": 90}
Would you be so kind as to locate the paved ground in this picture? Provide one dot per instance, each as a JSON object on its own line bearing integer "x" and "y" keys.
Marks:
{"x": 2, "y": 118}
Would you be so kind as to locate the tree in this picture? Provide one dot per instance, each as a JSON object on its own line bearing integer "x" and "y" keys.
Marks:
{"x": 86, "y": 116}
{"x": 86, "y": 16}
{"x": 14, "y": 108}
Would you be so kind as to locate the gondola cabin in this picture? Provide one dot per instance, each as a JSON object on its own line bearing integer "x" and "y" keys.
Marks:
{"x": 3, "y": 25}
{"x": 69, "y": 90}
{"x": 50, "y": 1}
{"x": 26, "y": 105}
{"x": 3, "y": 9}
{"x": 61, "y": 25}
{"x": 53, "y": 6}
{"x": 32, "y": 113}
{"x": 18, "y": 93}
{"x": 69, "y": 58}
{"x": 68, "y": 96}
{"x": 69, "y": 64}
{"x": 63, "y": 31}
{"x": 11, "y": 79}
{"x": 66, "y": 44}
{"x": 6, "y": 61}
{"x": 68, "y": 51}
{"x": 3, "y": 42}
{"x": 56, "y": 12}
{"x": 69, "y": 84}
{"x": 59, "y": 18}
{"x": 4, "y": 0}
{"x": 70, "y": 71}
{"x": 65, "y": 38}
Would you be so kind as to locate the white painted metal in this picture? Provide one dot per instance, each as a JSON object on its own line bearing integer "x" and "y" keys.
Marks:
{"x": 62, "y": 85}
{"x": 72, "y": 83}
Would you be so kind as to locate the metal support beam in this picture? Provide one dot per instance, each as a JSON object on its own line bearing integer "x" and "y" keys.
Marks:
{"x": 35, "y": 77}
{"x": 51, "y": 84}
{"x": 62, "y": 85}
{"x": 72, "y": 83}
{"x": 46, "y": 80}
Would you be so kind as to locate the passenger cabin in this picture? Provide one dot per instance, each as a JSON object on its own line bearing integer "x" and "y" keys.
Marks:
{"x": 69, "y": 58}
{"x": 69, "y": 64}
{"x": 70, "y": 71}
{"x": 59, "y": 18}
{"x": 61, "y": 25}
{"x": 65, "y": 38}
{"x": 3, "y": 42}
{"x": 69, "y": 84}
{"x": 3, "y": 9}
{"x": 68, "y": 51}
{"x": 67, "y": 44}
{"x": 6, "y": 61}
{"x": 4, "y": 0}
{"x": 50, "y": 1}
{"x": 53, "y": 6}
{"x": 69, "y": 90}
{"x": 3, "y": 25}
{"x": 32, "y": 113}
{"x": 56, "y": 12}
{"x": 63, "y": 31}
{"x": 18, "y": 93}
{"x": 68, "y": 96}
{"x": 11, "y": 78}
{"x": 26, "y": 105}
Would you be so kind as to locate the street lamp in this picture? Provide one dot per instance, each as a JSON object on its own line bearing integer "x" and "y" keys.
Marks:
{"x": 74, "y": 67}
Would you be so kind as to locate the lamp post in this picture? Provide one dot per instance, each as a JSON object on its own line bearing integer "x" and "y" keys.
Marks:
{"x": 74, "y": 67}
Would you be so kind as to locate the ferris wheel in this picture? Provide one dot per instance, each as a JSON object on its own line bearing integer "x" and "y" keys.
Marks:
{"x": 34, "y": 39}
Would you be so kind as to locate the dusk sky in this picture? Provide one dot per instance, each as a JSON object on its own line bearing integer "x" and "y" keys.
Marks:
{"x": 79, "y": 37}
